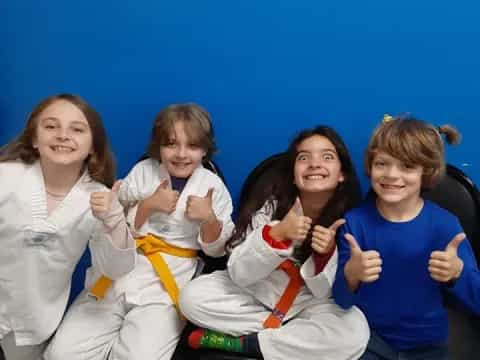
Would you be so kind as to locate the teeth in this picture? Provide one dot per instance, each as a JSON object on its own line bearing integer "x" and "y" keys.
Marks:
{"x": 315, "y": 177}
{"x": 62, "y": 149}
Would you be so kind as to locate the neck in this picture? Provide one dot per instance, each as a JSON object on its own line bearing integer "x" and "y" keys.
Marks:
{"x": 399, "y": 212}
{"x": 59, "y": 179}
{"x": 313, "y": 204}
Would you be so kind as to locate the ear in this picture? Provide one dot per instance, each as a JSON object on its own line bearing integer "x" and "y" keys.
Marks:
{"x": 34, "y": 142}
{"x": 341, "y": 178}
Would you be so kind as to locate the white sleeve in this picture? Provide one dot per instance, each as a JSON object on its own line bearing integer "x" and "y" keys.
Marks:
{"x": 254, "y": 259}
{"x": 222, "y": 207}
{"x": 132, "y": 185}
{"x": 320, "y": 284}
{"x": 109, "y": 259}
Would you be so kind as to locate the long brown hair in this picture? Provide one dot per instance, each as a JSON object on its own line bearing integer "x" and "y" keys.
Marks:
{"x": 346, "y": 195}
{"x": 100, "y": 164}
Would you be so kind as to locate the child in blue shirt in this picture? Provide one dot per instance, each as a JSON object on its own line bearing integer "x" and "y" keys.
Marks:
{"x": 399, "y": 253}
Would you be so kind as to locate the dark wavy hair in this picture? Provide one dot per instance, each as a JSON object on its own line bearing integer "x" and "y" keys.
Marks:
{"x": 284, "y": 192}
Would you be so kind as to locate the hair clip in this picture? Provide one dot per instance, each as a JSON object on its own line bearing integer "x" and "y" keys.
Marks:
{"x": 387, "y": 118}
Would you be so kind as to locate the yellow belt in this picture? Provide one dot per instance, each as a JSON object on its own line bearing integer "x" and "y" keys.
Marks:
{"x": 152, "y": 247}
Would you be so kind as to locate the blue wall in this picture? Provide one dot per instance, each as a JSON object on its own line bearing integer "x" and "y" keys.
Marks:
{"x": 264, "y": 68}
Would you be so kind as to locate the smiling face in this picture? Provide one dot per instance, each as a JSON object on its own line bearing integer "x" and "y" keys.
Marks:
{"x": 394, "y": 181}
{"x": 62, "y": 135}
{"x": 180, "y": 155}
{"x": 317, "y": 166}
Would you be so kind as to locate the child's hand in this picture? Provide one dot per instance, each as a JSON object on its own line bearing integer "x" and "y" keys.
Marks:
{"x": 363, "y": 266}
{"x": 294, "y": 226}
{"x": 200, "y": 208}
{"x": 163, "y": 199}
{"x": 324, "y": 238}
{"x": 104, "y": 203}
{"x": 446, "y": 265}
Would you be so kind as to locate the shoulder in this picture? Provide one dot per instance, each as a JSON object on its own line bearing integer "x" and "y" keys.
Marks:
{"x": 441, "y": 217}
{"x": 366, "y": 209}
{"x": 148, "y": 164}
{"x": 210, "y": 177}
{"x": 13, "y": 172}
{"x": 89, "y": 185}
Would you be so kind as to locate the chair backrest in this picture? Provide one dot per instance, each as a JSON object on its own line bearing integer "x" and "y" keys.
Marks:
{"x": 457, "y": 193}
{"x": 260, "y": 182}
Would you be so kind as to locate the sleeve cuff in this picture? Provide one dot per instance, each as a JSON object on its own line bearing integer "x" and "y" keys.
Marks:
{"x": 281, "y": 245}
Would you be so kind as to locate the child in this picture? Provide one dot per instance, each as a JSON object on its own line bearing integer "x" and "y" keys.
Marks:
{"x": 274, "y": 298}
{"x": 53, "y": 202}
{"x": 182, "y": 207}
{"x": 399, "y": 253}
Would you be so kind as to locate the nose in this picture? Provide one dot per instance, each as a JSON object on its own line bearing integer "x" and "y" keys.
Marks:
{"x": 181, "y": 151}
{"x": 315, "y": 162}
{"x": 391, "y": 171}
{"x": 62, "y": 133}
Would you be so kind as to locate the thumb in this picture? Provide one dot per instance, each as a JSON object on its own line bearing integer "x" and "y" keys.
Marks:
{"x": 209, "y": 193}
{"x": 297, "y": 207}
{"x": 334, "y": 227}
{"x": 116, "y": 186}
{"x": 163, "y": 184}
{"x": 456, "y": 241}
{"x": 352, "y": 243}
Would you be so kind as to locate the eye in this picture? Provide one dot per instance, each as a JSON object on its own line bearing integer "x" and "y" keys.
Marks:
{"x": 379, "y": 163}
{"x": 78, "y": 130}
{"x": 408, "y": 166}
{"x": 302, "y": 157}
{"x": 194, "y": 146}
{"x": 329, "y": 156}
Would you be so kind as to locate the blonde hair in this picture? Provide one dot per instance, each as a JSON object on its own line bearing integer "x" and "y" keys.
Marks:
{"x": 100, "y": 164}
{"x": 198, "y": 127}
{"x": 415, "y": 142}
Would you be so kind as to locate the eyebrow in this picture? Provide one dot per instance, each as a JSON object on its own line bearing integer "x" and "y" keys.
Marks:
{"x": 321, "y": 150}
{"x": 76, "y": 122}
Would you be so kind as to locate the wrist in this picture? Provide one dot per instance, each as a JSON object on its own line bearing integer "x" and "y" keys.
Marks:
{"x": 276, "y": 232}
{"x": 209, "y": 219}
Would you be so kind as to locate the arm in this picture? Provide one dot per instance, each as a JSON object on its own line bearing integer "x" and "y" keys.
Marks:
{"x": 217, "y": 228}
{"x": 342, "y": 287}
{"x": 255, "y": 258}
{"x": 466, "y": 288}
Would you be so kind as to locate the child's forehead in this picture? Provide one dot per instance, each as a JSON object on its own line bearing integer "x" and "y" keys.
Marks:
{"x": 316, "y": 143}
{"x": 63, "y": 110}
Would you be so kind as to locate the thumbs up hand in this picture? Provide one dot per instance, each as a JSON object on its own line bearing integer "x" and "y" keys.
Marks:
{"x": 324, "y": 238}
{"x": 446, "y": 265}
{"x": 105, "y": 203}
{"x": 294, "y": 226}
{"x": 163, "y": 199}
{"x": 200, "y": 208}
{"x": 363, "y": 266}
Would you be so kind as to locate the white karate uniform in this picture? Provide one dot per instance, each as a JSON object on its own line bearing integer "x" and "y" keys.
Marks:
{"x": 137, "y": 319}
{"x": 40, "y": 251}
{"x": 237, "y": 302}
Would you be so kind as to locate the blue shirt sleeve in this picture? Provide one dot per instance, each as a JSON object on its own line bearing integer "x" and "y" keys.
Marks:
{"x": 343, "y": 296}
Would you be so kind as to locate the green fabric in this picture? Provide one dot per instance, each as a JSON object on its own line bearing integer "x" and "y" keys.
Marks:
{"x": 216, "y": 340}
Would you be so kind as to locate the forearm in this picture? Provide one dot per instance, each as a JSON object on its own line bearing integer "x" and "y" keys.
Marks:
{"x": 144, "y": 211}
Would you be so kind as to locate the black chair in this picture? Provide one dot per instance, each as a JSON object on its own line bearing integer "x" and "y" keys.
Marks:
{"x": 261, "y": 184}
{"x": 459, "y": 195}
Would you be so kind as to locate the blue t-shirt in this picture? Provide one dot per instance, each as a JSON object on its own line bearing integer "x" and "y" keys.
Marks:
{"x": 405, "y": 305}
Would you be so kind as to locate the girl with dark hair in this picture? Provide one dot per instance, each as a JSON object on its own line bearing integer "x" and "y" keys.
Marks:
{"x": 274, "y": 298}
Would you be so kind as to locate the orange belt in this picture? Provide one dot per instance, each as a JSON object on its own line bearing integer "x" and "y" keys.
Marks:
{"x": 274, "y": 320}
{"x": 152, "y": 247}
